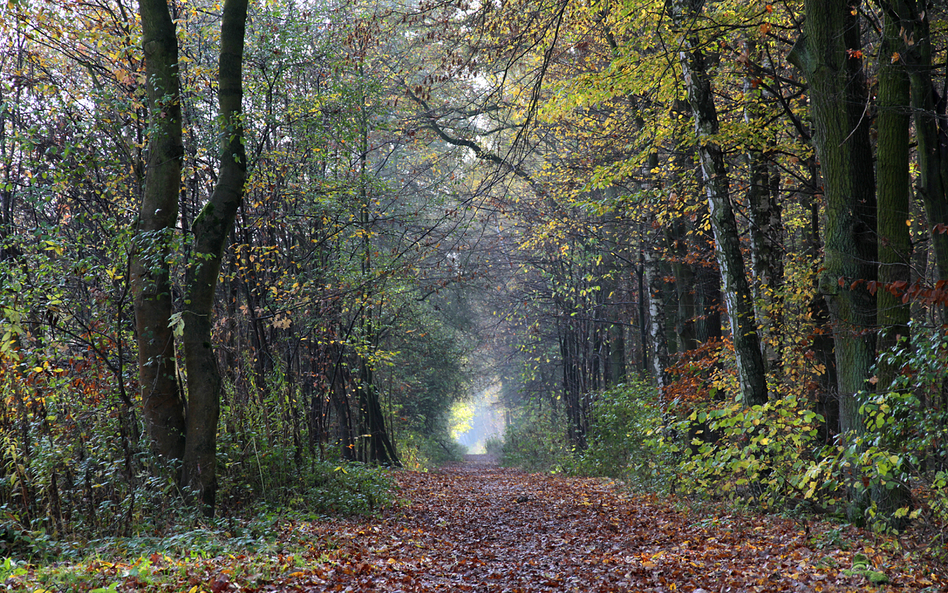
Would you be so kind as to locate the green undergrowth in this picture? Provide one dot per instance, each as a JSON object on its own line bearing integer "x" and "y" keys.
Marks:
{"x": 249, "y": 547}
{"x": 535, "y": 443}
{"x": 247, "y": 552}
{"x": 77, "y": 474}
{"x": 769, "y": 457}
{"x": 422, "y": 452}
{"x": 320, "y": 490}
{"x": 620, "y": 440}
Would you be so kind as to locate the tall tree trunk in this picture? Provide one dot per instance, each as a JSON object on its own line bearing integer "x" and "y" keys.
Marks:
{"x": 740, "y": 305}
{"x": 685, "y": 285}
{"x": 931, "y": 128}
{"x": 655, "y": 293}
{"x": 765, "y": 220}
{"x": 643, "y": 303}
{"x": 828, "y": 54}
{"x": 381, "y": 449}
{"x": 162, "y": 406}
{"x": 892, "y": 157}
{"x": 822, "y": 343}
{"x": 344, "y": 424}
{"x": 211, "y": 229}
{"x": 931, "y": 123}
{"x": 895, "y": 242}
{"x": 614, "y": 282}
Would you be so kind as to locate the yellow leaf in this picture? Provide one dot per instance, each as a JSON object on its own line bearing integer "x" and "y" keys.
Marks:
{"x": 895, "y": 58}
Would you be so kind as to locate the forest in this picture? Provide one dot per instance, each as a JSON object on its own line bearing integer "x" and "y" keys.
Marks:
{"x": 261, "y": 254}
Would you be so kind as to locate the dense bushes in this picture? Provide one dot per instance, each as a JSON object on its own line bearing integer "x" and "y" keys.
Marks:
{"x": 756, "y": 453}
{"x": 420, "y": 451}
{"x": 535, "y": 442}
{"x": 75, "y": 467}
{"x": 621, "y": 440}
{"x": 904, "y": 446}
{"x": 623, "y": 421}
{"x": 770, "y": 456}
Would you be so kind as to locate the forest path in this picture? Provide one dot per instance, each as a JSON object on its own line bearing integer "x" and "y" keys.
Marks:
{"x": 478, "y": 527}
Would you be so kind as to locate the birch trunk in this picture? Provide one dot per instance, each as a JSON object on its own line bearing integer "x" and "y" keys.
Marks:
{"x": 737, "y": 295}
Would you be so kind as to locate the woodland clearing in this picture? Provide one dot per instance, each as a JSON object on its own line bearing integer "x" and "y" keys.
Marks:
{"x": 478, "y": 527}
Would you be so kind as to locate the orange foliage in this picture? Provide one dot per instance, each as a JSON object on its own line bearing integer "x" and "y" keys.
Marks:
{"x": 692, "y": 373}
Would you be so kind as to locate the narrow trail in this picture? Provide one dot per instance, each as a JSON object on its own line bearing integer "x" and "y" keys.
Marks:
{"x": 477, "y": 527}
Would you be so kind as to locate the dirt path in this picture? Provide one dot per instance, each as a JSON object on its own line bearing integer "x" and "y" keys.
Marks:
{"x": 476, "y": 527}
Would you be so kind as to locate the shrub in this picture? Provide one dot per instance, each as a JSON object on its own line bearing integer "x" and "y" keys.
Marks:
{"x": 758, "y": 454}
{"x": 535, "y": 443}
{"x": 620, "y": 439}
{"x": 904, "y": 443}
{"x": 261, "y": 462}
{"x": 494, "y": 446}
{"x": 421, "y": 452}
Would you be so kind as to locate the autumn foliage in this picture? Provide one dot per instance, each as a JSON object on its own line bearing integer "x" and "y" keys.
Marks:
{"x": 699, "y": 247}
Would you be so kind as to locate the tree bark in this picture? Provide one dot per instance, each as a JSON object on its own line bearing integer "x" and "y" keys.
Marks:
{"x": 892, "y": 158}
{"x": 931, "y": 124}
{"x": 211, "y": 229}
{"x": 895, "y": 242}
{"x": 162, "y": 406}
{"x": 828, "y": 54}
{"x": 740, "y": 305}
{"x": 765, "y": 221}
{"x": 381, "y": 449}
{"x": 685, "y": 285}
{"x": 655, "y": 293}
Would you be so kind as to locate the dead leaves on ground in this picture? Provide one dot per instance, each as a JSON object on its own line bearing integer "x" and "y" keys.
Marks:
{"x": 476, "y": 528}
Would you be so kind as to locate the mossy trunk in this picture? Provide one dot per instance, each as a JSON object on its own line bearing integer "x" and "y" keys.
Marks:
{"x": 931, "y": 124}
{"x": 895, "y": 242}
{"x": 829, "y": 56}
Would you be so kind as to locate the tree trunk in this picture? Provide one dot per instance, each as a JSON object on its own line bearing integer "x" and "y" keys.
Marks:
{"x": 822, "y": 343}
{"x": 838, "y": 99}
{"x": 765, "y": 222}
{"x": 931, "y": 125}
{"x": 643, "y": 303}
{"x": 685, "y": 285}
{"x": 381, "y": 450}
{"x": 740, "y": 305}
{"x": 614, "y": 281}
{"x": 895, "y": 242}
{"x": 829, "y": 55}
{"x": 892, "y": 157}
{"x": 211, "y": 229}
{"x": 655, "y": 293}
{"x": 162, "y": 405}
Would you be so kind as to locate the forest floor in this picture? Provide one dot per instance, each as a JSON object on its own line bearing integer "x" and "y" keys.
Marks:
{"x": 478, "y": 527}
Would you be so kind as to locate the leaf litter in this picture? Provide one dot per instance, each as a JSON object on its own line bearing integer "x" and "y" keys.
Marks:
{"x": 482, "y": 528}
